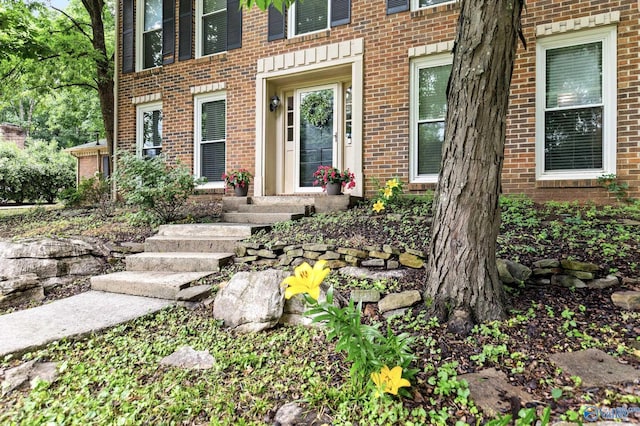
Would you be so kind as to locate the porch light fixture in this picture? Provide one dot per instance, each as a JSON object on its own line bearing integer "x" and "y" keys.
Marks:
{"x": 274, "y": 103}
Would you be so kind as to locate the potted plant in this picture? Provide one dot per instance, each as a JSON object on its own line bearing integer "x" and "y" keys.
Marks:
{"x": 333, "y": 180}
{"x": 238, "y": 180}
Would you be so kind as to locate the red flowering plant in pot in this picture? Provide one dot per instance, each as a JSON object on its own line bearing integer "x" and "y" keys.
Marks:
{"x": 326, "y": 175}
{"x": 238, "y": 180}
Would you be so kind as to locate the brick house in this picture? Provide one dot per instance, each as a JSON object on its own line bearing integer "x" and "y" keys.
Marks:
{"x": 360, "y": 84}
{"x": 91, "y": 158}
{"x": 13, "y": 133}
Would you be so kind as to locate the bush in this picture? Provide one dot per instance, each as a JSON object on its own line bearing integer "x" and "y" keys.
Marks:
{"x": 158, "y": 189}
{"x": 39, "y": 172}
{"x": 94, "y": 192}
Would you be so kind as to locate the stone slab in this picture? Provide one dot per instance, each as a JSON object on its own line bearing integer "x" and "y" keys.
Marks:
{"x": 71, "y": 317}
{"x": 595, "y": 367}
{"x": 163, "y": 285}
{"x": 177, "y": 261}
{"x": 491, "y": 391}
{"x": 170, "y": 243}
{"x": 209, "y": 230}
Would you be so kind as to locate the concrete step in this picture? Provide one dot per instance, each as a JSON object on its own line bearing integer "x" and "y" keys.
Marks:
{"x": 162, "y": 285}
{"x": 213, "y": 230}
{"x": 177, "y": 261}
{"x": 163, "y": 244}
{"x": 260, "y": 218}
{"x": 282, "y": 208}
{"x": 282, "y": 199}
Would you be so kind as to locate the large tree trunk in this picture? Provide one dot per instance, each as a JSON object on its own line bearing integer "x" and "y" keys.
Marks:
{"x": 104, "y": 68}
{"x": 463, "y": 277}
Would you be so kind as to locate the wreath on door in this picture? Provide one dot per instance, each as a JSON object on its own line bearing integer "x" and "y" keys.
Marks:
{"x": 317, "y": 108}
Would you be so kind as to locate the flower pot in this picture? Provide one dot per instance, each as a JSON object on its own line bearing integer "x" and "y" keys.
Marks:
{"x": 241, "y": 191}
{"x": 334, "y": 188}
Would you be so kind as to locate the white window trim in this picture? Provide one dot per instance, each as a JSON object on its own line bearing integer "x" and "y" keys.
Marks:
{"x": 416, "y": 65}
{"x": 139, "y": 38}
{"x": 415, "y": 5}
{"x": 197, "y": 134}
{"x": 200, "y": 29}
{"x": 291, "y": 24}
{"x": 607, "y": 35}
{"x": 140, "y": 110}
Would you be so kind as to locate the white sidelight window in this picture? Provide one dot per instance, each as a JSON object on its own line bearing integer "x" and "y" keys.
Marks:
{"x": 149, "y": 130}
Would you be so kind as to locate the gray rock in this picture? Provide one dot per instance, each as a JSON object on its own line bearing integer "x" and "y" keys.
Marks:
{"x": 490, "y": 390}
{"x": 460, "y": 322}
{"x": 379, "y": 254}
{"x": 608, "y": 281}
{"x": 567, "y": 281}
{"x": 503, "y": 272}
{"x": 312, "y": 255}
{"x": 293, "y": 414}
{"x": 546, "y": 263}
{"x": 352, "y": 271}
{"x": 373, "y": 263}
{"x": 393, "y": 264}
{"x": 360, "y": 254}
{"x": 395, "y": 313}
{"x": 391, "y": 249}
{"x": 330, "y": 255}
{"x": 365, "y": 296}
{"x": 266, "y": 253}
{"x": 595, "y": 367}
{"x": 298, "y": 252}
{"x": 418, "y": 253}
{"x": 629, "y": 300}
{"x": 404, "y": 299}
{"x": 579, "y": 274}
{"x": 317, "y": 247}
{"x": 44, "y": 248}
{"x": 19, "y": 283}
{"x": 520, "y": 272}
{"x": 30, "y": 372}
{"x": 251, "y": 301}
{"x": 20, "y": 297}
{"x": 194, "y": 294}
{"x": 188, "y": 358}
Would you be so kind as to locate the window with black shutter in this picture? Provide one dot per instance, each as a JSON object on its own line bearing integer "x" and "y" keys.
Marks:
{"x": 395, "y": 6}
{"x": 185, "y": 28}
{"x": 277, "y": 24}
{"x": 128, "y": 64}
{"x": 168, "y": 31}
{"x": 220, "y": 26}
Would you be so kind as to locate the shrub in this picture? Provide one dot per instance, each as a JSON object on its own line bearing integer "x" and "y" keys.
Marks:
{"x": 39, "y": 172}
{"x": 158, "y": 189}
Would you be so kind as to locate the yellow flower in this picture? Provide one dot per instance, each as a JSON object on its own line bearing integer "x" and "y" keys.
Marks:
{"x": 306, "y": 280}
{"x": 392, "y": 183}
{"x": 388, "y": 192}
{"x": 389, "y": 381}
{"x": 378, "y": 206}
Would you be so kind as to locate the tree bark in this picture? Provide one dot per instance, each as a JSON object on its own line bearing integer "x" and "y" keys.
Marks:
{"x": 463, "y": 276}
{"x": 104, "y": 68}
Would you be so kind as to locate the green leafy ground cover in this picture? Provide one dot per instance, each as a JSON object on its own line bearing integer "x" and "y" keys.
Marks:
{"x": 115, "y": 377}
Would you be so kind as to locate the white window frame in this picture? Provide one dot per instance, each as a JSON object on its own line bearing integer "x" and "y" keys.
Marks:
{"x": 291, "y": 24}
{"x": 416, "y": 65}
{"x": 606, "y": 35}
{"x": 140, "y": 110}
{"x": 197, "y": 133}
{"x": 139, "y": 37}
{"x": 415, "y": 4}
{"x": 200, "y": 29}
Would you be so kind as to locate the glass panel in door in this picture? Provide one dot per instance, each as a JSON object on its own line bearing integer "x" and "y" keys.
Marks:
{"x": 316, "y": 132}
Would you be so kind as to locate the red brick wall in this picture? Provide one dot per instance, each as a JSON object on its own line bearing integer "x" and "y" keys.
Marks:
{"x": 15, "y": 134}
{"x": 87, "y": 166}
{"x": 386, "y": 92}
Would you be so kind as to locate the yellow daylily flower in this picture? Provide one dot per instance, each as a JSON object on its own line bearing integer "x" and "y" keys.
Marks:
{"x": 388, "y": 192}
{"x": 378, "y": 206}
{"x": 392, "y": 183}
{"x": 389, "y": 381}
{"x": 306, "y": 280}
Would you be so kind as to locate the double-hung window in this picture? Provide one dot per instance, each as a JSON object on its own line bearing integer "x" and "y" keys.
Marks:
{"x": 149, "y": 33}
{"x": 429, "y": 79}
{"x": 210, "y": 137}
{"x": 213, "y": 26}
{"x": 576, "y": 105}
{"x": 149, "y": 130}
{"x": 309, "y": 16}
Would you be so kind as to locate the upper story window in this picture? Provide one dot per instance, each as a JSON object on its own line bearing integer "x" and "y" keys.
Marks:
{"x": 576, "y": 105}
{"x": 149, "y": 130}
{"x": 429, "y": 79}
{"x": 422, "y": 4}
{"x": 149, "y": 34}
{"x": 219, "y": 26}
{"x": 308, "y": 16}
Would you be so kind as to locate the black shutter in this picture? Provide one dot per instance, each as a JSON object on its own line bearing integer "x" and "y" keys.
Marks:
{"x": 395, "y": 6}
{"x": 234, "y": 24}
{"x": 168, "y": 31}
{"x": 340, "y": 12}
{"x": 276, "y": 23}
{"x": 185, "y": 30}
{"x": 128, "y": 64}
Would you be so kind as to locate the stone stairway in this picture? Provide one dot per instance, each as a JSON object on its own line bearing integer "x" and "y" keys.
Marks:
{"x": 178, "y": 256}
